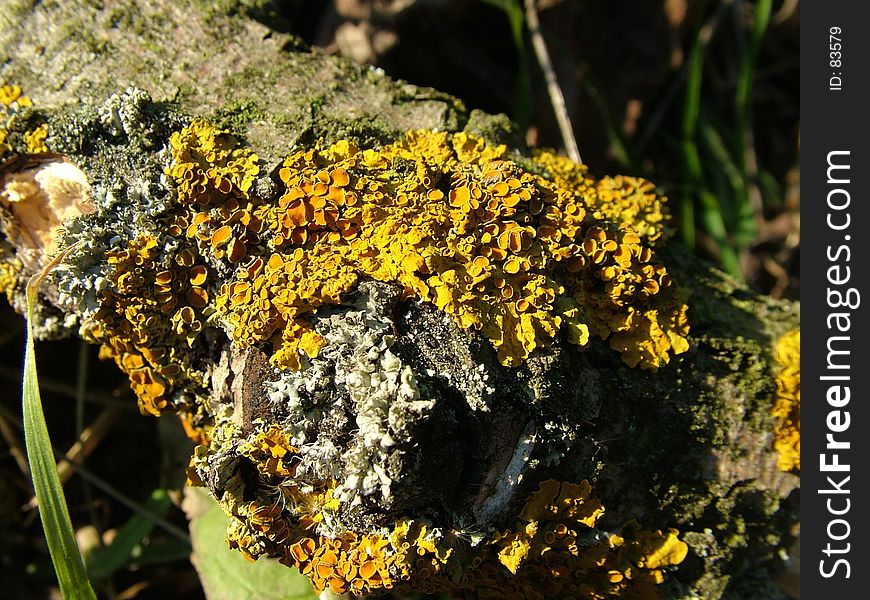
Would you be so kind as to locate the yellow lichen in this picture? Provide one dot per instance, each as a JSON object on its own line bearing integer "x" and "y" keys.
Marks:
{"x": 153, "y": 303}
{"x": 207, "y": 164}
{"x": 35, "y": 140}
{"x": 11, "y": 97}
{"x": 553, "y": 550}
{"x": 552, "y": 544}
{"x": 787, "y": 401}
{"x": 622, "y": 199}
{"x": 36, "y": 196}
{"x": 518, "y": 256}
{"x": 158, "y": 300}
{"x": 10, "y": 270}
{"x": 509, "y": 253}
{"x": 272, "y": 452}
{"x": 11, "y": 102}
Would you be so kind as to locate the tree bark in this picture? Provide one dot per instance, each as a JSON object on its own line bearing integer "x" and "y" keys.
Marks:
{"x": 690, "y": 446}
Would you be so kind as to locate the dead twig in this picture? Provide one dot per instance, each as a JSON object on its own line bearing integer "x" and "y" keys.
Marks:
{"x": 557, "y": 99}
{"x": 88, "y": 440}
{"x": 16, "y": 448}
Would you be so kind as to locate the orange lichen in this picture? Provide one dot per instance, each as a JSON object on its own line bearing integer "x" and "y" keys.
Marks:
{"x": 518, "y": 256}
{"x": 272, "y": 452}
{"x": 11, "y": 101}
{"x": 208, "y": 165}
{"x": 554, "y": 550}
{"x": 158, "y": 299}
{"x": 503, "y": 251}
{"x": 152, "y": 304}
{"x": 787, "y": 401}
{"x": 623, "y": 199}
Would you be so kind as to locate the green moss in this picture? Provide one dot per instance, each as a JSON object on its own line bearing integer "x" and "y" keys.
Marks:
{"x": 315, "y": 105}
{"x": 496, "y": 129}
{"x": 243, "y": 79}
{"x": 257, "y": 9}
{"x": 238, "y": 115}
{"x": 93, "y": 42}
{"x": 364, "y": 131}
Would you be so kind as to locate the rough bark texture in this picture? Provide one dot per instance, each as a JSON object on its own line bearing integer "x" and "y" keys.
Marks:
{"x": 690, "y": 446}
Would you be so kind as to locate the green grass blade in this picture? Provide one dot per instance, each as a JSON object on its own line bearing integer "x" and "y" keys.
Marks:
{"x": 743, "y": 109}
{"x": 747, "y": 71}
{"x": 523, "y": 96}
{"x": 67, "y": 561}
{"x": 717, "y": 149}
{"x": 691, "y": 160}
{"x": 711, "y": 216}
{"x": 619, "y": 145}
{"x": 694, "y": 79}
{"x": 741, "y": 220}
{"x": 523, "y": 101}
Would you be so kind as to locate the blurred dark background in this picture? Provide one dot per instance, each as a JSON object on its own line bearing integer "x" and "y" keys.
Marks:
{"x": 701, "y": 97}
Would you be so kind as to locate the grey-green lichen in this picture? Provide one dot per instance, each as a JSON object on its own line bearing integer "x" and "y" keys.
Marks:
{"x": 374, "y": 391}
{"x": 129, "y": 191}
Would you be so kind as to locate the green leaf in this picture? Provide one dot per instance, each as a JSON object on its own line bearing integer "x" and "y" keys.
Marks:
{"x": 224, "y": 573}
{"x": 162, "y": 552}
{"x": 108, "y": 559}
{"x": 56, "y": 524}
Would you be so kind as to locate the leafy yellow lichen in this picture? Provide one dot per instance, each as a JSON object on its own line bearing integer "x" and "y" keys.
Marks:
{"x": 152, "y": 305}
{"x": 553, "y": 549}
{"x": 208, "y": 165}
{"x": 11, "y": 102}
{"x": 11, "y": 97}
{"x": 519, "y": 256}
{"x": 552, "y": 543}
{"x": 662, "y": 550}
{"x": 568, "y": 556}
{"x": 10, "y": 270}
{"x": 35, "y": 140}
{"x": 622, "y": 199}
{"x": 272, "y": 452}
{"x": 787, "y": 401}
{"x": 509, "y": 253}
